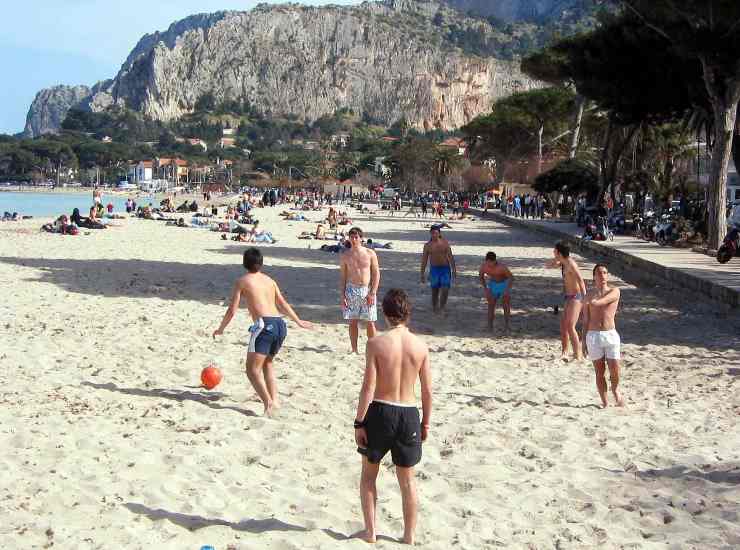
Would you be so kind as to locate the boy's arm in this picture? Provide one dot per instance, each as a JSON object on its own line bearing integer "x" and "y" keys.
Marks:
{"x": 482, "y": 277}
{"x": 584, "y": 322}
{"x": 424, "y": 260}
{"x": 552, "y": 264}
{"x": 608, "y": 298}
{"x": 366, "y": 395}
{"x": 451, "y": 260}
{"x": 425, "y": 377}
{"x": 581, "y": 281}
{"x": 343, "y": 281}
{"x": 284, "y": 306}
{"x": 509, "y": 279}
{"x": 231, "y": 311}
{"x": 374, "y": 276}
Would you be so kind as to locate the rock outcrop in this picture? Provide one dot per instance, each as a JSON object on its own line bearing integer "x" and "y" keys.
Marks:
{"x": 50, "y": 106}
{"x": 384, "y": 59}
{"x": 516, "y": 10}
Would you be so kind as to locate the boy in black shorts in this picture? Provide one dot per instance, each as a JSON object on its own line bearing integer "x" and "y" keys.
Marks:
{"x": 387, "y": 416}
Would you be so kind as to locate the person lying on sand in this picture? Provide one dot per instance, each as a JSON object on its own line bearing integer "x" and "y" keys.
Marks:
{"x": 387, "y": 415}
{"x": 602, "y": 339}
{"x": 265, "y": 303}
{"x": 373, "y": 245}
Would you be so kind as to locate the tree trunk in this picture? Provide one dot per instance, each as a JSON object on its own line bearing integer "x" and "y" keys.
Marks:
{"x": 580, "y": 104}
{"x": 724, "y": 93}
{"x": 539, "y": 148}
{"x": 725, "y": 114}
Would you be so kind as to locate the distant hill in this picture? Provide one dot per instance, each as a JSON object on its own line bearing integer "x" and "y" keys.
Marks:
{"x": 424, "y": 61}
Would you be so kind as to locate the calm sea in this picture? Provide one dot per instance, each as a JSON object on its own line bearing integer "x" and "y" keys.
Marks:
{"x": 56, "y": 204}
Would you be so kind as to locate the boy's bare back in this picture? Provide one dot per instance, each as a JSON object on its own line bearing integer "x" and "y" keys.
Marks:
{"x": 261, "y": 294}
{"x": 398, "y": 357}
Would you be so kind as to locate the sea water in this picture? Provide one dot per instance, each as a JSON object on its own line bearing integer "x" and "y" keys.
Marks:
{"x": 55, "y": 204}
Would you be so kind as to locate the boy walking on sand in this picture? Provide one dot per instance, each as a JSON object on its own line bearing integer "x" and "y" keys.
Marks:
{"x": 265, "y": 302}
{"x": 387, "y": 416}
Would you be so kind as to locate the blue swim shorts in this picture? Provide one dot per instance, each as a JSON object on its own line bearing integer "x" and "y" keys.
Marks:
{"x": 268, "y": 335}
{"x": 440, "y": 276}
{"x": 498, "y": 288}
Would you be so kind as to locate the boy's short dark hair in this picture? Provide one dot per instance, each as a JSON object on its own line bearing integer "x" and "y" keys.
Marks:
{"x": 597, "y": 266}
{"x": 397, "y": 306}
{"x": 253, "y": 259}
{"x": 562, "y": 248}
{"x": 491, "y": 257}
{"x": 356, "y": 230}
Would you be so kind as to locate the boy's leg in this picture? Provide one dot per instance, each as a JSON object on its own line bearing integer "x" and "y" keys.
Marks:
{"x": 435, "y": 299}
{"x": 572, "y": 314}
{"x": 368, "y": 497}
{"x": 255, "y": 363}
{"x": 614, "y": 379}
{"x": 600, "y": 368}
{"x": 354, "y": 333}
{"x": 407, "y": 483}
{"x": 270, "y": 380}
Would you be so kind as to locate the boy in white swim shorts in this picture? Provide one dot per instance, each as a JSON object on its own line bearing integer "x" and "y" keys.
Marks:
{"x": 359, "y": 286}
{"x": 602, "y": 340}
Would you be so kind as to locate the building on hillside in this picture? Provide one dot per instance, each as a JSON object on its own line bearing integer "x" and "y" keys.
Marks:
{"x": 107, "y": 139}
{"x": 390, "y": 139}
{"x": 196, "y": 142}
{"x": 340, "y": 141}
{"x": 141, "y": 172}
{"x": 310, "y": 145}
{"x": 171, "y": 169}
{"x": 227, "y": 143}
{"x": 228, "y": 132}
{"x": 456, "y": 144}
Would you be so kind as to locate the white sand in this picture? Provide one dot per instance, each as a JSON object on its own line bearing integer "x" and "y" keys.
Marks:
{"x": 109, "y": 443}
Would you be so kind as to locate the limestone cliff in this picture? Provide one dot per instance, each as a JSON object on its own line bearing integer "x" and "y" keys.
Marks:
{"x": 389, "y": 60}
{"x": 50, "y": 106}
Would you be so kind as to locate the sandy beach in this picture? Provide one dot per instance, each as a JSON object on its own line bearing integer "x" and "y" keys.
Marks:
{"x": 109, "y": 442}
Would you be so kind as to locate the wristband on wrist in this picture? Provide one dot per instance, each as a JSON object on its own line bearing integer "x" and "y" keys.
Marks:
{"x": 359, "y": 424}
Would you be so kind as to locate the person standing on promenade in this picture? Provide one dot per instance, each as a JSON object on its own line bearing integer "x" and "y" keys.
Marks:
{"x": 442, "y": 270}
{"x": 575, "y": 291}
{"x": 387, "y": 416}
{"x": 601, "y": 337}
{"x": 264, "y": 301}
{"x": 496, "y": 280}
{"x": 360, "y": 279}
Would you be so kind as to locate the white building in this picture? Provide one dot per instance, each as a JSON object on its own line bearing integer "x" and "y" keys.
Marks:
{"x": 141, "y": 172}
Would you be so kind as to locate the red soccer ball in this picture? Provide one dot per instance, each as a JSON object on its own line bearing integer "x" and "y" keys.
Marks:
{"x": 211, "y": 377}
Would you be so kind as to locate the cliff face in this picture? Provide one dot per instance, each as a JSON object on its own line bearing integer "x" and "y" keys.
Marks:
{"x": 516, "y": 10}
{"x": 382, "y": 59}
{"x": 50, "y": 106}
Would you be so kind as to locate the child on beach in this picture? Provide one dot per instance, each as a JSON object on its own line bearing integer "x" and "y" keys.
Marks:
{"x": 265, "y": 302}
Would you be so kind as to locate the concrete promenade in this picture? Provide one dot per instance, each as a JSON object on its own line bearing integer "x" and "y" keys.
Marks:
{"x": 679, "y": 268}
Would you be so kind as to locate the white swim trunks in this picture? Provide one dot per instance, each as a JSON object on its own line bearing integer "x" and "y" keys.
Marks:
{"x": 603, "y": 343}
{"x": 357, "y": 307}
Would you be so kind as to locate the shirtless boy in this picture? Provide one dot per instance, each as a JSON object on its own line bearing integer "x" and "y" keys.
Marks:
{"x": 602, "y": 340}
{"x": 359, "y": 286}
{"x": 442, "y": 270}
{"x": 387, "y": 415}
{"x": 575, "y": 291}
{"x": 264, "y": 302}
{"x": 496, "y": 280}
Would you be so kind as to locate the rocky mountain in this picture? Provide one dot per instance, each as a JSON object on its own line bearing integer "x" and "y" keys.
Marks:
{"x": 418, "y": 59}
{"x": 50, "y": 106}
{"x": 537, "y": 11}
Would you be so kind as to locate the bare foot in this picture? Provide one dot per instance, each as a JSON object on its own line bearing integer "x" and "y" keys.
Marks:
{"x": 618, "y": 399}
{"x": 564, "y": 358}
{"x": 364, "y": 535}
{"x": 408, "y": 539}
{"x": 269, "y": 411}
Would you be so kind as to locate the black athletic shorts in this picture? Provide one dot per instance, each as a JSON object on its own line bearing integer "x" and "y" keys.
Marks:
{"x": 393, "y": 428}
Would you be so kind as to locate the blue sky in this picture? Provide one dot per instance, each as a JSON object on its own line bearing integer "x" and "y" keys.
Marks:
{"x": 49, "y": 42}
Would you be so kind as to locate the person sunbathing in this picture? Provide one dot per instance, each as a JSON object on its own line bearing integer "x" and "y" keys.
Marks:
{"x": 87, "y": 223}
{"x": 374, "y": 245}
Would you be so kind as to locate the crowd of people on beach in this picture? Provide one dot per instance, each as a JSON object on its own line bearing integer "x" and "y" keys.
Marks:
{"x": 387, "y": 418}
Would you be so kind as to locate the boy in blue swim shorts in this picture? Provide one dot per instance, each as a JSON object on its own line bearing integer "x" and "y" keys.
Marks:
{"x": 496, "y": 280}
{"x": 438, "y": 254}
{"x": 265, "y": 303}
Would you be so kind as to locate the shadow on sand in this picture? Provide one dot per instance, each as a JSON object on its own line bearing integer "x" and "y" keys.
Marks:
{"x": 209, "y": 400}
